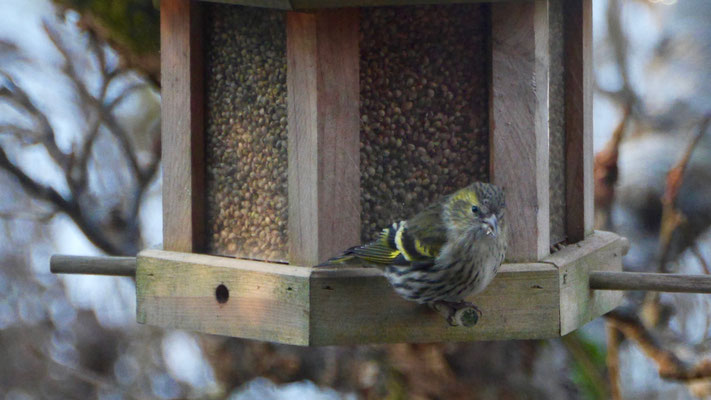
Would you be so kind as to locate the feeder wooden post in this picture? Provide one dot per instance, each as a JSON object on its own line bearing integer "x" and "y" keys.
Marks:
{"x": 519, "y": 123}
{"x": 324, "y": 136}
{"x": 578, "y": 118}
{"x": 182, "y": 125}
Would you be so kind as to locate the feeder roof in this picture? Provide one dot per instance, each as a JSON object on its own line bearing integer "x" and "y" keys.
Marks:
{"x": 316, "y": 4}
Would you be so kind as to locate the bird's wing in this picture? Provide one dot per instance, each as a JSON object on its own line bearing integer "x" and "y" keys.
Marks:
{"x": 425, "y": 235}
{"x": 415, "y": 241}
{"x": 382, "y": 251}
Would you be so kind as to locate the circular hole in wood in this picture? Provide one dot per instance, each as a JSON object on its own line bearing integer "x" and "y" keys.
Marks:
{"x": 222, "y": 294}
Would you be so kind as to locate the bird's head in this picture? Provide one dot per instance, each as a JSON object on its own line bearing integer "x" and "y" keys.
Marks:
{"x": 477, "y": 208}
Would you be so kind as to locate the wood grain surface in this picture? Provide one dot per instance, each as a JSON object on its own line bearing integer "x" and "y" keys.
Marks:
{"x": 578, "y": 118}
{"x": 324, "y": 136}
{"x": 519, "y": 123}
{"x": 182, "y": 126}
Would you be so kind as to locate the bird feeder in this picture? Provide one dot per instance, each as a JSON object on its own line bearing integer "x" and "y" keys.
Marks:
{"x": 292, "y": 130}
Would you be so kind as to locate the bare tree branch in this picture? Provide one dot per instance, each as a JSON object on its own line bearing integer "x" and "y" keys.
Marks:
{"x": 84, "y": 374}
{"x": 106, "y": 116}
{"x": 672, "y": 218}
{"x": 614, "y": 337}
{"x": 72, "y": 209}
{"x": 14, "y": 94}
{"x": 697, "y": 252}
{"x": 670, "y": 365}
{"x": 605, "y": 172}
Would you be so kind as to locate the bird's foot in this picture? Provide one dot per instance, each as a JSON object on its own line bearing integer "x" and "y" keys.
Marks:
{"x": 460, "y": 313}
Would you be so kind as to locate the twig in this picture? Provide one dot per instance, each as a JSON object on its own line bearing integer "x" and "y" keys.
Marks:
{"x": 84, "y": 374}
{"x": 672, "y": 218}
{"x": 125, "y": 93}
{"x": 605, "y": 170}
{"x": 71, "y": 208}
{"x": 14, "y": 94}
{"x": 614, "y": 338}
{"x": 29, "y": 216}
{"x": 670, "y": 366}
{"x": 697, "y": 252}
{"x": 106, "y": 116}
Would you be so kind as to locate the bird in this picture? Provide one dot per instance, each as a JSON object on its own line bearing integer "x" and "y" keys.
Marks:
{"x": 444, "y": 254}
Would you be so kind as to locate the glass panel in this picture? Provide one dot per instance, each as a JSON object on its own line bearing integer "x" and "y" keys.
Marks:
{"x": 424, "y": 76}
{"x": 246, "y": 145}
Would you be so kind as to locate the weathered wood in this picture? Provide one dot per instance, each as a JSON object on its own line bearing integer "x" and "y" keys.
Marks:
{"x": 556, "y": 123}
{"x": 265, "y": 301}
{"x": 324, "y": 136}
{"x": 601, "y": 251}
{"x": 182, "y": 126}
{"x": 358, "y": 306}
{"x": 679, "y": 283}
{"x": 116, "y": 266}
{"x": 519, "y": 123}
{"x": 578, "y": 118}
{"x": 316, "y": 4}
{"x": 320, "y": 306}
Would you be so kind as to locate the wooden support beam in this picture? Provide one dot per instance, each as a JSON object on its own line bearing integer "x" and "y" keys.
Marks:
{"x": 225, "y": 296}
{"x": 182, "y": 125}
{"x": 324, "y": 306}
{"x": 578, "y": 118}
{"x": 358, "y": 306}
{"x": 519, "y": 123}
{"x": 601, "y": 251}
{"x": 324, "y": 134}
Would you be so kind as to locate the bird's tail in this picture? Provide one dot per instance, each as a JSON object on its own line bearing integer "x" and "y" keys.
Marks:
{"x": 348, "y": 257}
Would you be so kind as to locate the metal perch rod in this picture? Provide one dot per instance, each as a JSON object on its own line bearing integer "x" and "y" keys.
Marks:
{"x": 116, "y": 266}
{"x": 599, "y": 280}
{"x": 650, "y": 281}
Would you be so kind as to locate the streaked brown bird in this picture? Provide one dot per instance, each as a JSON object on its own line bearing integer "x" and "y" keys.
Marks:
{"x": 446, "y": 253}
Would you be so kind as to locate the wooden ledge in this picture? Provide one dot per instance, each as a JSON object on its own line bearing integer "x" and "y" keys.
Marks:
{"x": 296, "y": 5}
{"x": 317, "y": 306}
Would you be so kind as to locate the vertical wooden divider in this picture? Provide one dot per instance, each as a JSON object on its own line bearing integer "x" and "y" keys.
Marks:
{"x": 182, "y": 125}
{"x": 519, "y": 123}
{"x": 578, "y": 118}
{"x": 324, "y": 134}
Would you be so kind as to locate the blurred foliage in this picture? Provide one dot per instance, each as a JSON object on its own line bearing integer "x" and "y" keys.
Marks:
{"x": 587, "y": 366}
{"x": 131, "y": 27}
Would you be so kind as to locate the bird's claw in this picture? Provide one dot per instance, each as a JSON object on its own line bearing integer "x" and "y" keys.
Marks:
{"x": 459, "y": 314}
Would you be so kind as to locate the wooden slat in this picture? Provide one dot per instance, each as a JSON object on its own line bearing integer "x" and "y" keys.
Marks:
{"x": 319, "y": 306}
{"x": 358, "y": 306}
{"x": 601, "y": 251}
{"x": 182, "y": 125}
{"x": 578, "y": 118}
{"x": 324, "y": 141}
{"x": 519, "y": 123}
{"x": 316, "y": 4}
{"x": 266, "y": 301}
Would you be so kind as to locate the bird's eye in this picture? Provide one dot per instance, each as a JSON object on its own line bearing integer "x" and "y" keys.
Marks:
{"x": 475, "y": 209}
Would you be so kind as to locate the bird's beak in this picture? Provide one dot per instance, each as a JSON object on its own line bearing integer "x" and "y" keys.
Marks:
{"x": 491, "y": 224}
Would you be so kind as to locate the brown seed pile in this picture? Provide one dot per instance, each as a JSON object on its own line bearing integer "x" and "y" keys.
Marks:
{"x": 424, "y": 107}
{"x": 246, "y": 144}
{"x": 556, "y": 124}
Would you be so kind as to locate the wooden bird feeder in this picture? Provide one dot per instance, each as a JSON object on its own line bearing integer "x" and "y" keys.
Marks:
{"x": 294, "y": 129}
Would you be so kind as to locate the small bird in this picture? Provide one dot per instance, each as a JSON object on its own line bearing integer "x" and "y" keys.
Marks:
{"x": 444, "y": 254}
